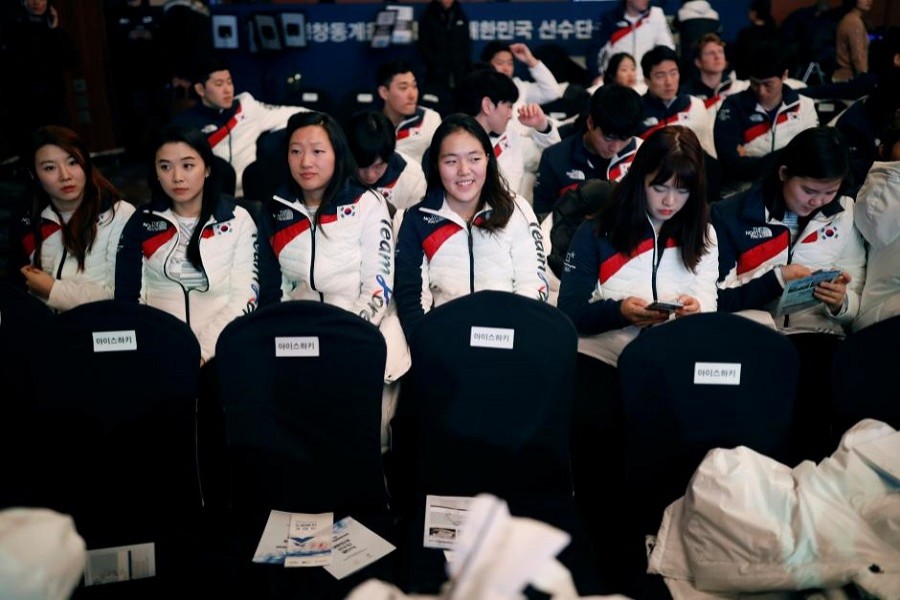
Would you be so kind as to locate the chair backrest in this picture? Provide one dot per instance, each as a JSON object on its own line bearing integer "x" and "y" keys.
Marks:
{"x": 301, "y": 383}
{"x": 227, "y": 175}
{"x": 263, "y": 176}
{"x": 488, "y": 408}
{"x": 864, "y": 376}
{"x": 117, "y": 399}
{"x": 700, "y": 382}
{"x": 24, "y": 321}
{"x": 492, "y": 392}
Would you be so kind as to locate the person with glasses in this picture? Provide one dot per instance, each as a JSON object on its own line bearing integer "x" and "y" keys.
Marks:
{"x": 604, "y": 150}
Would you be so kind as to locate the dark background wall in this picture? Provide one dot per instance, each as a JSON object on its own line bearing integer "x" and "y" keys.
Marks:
{"x": 342, "y": 67}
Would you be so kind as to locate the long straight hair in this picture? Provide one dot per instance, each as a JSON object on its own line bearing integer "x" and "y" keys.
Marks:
{"x": 81, "y": 230}
{"x": 496, "y": 191}
{"x": 174, "y": 134}
{"x": 672, "y": 151}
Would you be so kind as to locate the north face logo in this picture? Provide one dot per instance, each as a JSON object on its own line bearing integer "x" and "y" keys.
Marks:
{"x": 758, "y": 233}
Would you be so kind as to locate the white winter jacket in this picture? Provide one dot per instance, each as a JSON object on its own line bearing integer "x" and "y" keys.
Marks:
{"x": 517, "y": 153}
{"x": 228, "y": 250}
{"x": 414, "y": 133}
{"x": 97, "y": 281}
{"x": 877, "y": 217}
{"x": 440, "y": 257}
{"x": 596, "y": 278}
{"x": 232, "y": 133}
{"x": 346, "y": 259}
{"x": 750, "y": 524}
{"x": 403, "y": 182}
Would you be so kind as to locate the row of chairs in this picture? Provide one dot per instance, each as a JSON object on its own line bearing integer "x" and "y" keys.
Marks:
{"x": 106, "y": 391}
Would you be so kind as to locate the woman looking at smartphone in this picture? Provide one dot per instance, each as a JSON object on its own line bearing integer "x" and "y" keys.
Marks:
{"x": 651, "y": 242}
{"x": 793, "y": 222}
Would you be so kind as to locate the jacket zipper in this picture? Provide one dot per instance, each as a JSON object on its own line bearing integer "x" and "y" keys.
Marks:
{"x": 312, "y": 260}
{"x": 62, "y": 262}
{"x": 471, "y": 260}
{"x": 655, "y": 265}
{"x": 187, "y": 303}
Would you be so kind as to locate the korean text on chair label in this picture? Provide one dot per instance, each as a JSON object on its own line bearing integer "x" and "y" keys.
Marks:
{"x": 492, "y": 337}
{"x": 717, "y": 373}
{"x": 297, "y": 346}
{"x": 115, "y": 341}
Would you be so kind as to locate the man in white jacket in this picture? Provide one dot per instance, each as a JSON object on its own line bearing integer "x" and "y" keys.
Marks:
{"x": 413, "y": 124}
{"x": 543, "y": 89}
{"x": 231, "y": 123}
{"x": 489, "y": 96}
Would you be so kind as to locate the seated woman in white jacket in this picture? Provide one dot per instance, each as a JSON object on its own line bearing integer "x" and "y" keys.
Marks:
{"x": 328, "y": 237}
{"x": 469, "y": 233}
{"x": 191, "y": 251}
{"x": 651, "y": 242}
{"x": 67, "y": 238}
{"x": 793, "y": 222}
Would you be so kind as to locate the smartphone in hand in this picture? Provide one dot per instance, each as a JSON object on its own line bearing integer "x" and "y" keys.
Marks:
{"x": 666, "y": 307}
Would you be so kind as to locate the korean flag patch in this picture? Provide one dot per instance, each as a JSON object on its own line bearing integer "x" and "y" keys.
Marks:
{"x": 347, "y": 211}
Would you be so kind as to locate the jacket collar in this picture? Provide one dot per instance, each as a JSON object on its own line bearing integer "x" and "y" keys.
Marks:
{"x": 224, "y": 210}
{"x": 755, "y": 208}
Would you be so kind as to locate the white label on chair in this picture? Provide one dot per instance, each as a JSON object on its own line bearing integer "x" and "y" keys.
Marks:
{"x": 108, "y": 565}
{"x": 717, "y": 373}
{"x": 309, "y": 97}
{"x": 492, "y": 337}
{"x": 114, "y": 341}
{"x": 297, "y": 346}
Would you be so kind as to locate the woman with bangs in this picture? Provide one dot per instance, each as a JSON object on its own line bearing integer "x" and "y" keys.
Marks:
{"x": 71, "y": 229}
{"x": 652, "y": 242}
{"x": 191, "y": 251}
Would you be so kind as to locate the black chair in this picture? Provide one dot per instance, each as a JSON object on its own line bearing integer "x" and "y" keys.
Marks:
{"x": 437, "y": 98}
{"x": 575, "y": 101}
{"x": 117, "y": 403}
{"x": 24, "y": 321}
{"x": 263, "y": 176}
{"x": 711, "y": 380}
{"x": 357, "y": 100}
{"x": 227, "y": 175}
{"x": 301, "y": 384}
{"x": 864, "y": 375}
{"x": 476, "y": 418}
{"x": 313, "y": 98}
